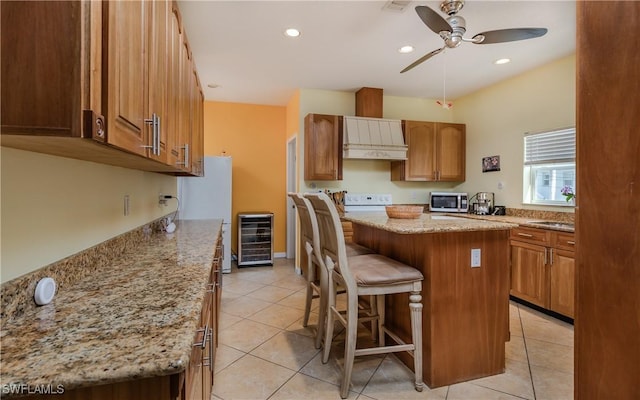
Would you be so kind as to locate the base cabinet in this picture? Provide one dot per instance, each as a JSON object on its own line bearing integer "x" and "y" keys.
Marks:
{"x": 194, "y": 383}
{"x": 543, "y": 268}
{"x": 528, "y": 273}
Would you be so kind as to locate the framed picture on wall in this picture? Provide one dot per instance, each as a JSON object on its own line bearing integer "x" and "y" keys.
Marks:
{"x": 490, "y": 164}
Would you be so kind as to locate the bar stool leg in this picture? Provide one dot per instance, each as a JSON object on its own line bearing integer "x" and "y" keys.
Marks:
{"x": 381, "y": 316}
{"x": 328, "y": 334}
{"x": 310, "y": 278}
{"x": 350, "y": 344}
{"x": 416, "y": 329}
{"x": 322, "y": 312}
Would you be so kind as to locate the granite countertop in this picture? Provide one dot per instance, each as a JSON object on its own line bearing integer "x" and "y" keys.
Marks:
{"x": 136, "y": 319}
{"x": 540, "y": 223}
{"x": 426, "y": 223}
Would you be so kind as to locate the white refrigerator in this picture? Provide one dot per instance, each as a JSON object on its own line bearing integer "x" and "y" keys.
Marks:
{"x": 209, "y": 197}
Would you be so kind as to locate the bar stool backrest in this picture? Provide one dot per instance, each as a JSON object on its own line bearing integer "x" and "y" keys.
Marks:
{"x": 333, "y": 250}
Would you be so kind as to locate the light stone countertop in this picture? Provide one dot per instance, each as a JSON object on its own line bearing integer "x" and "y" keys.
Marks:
{"x": 564, "y": 226}
{"x": 426, "y": 223}
{"x": 135, "y": 319}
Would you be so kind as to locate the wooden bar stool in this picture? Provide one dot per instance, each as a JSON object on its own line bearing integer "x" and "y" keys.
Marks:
{"x": 369, "y": 274}
{"x": 317, "y": 286}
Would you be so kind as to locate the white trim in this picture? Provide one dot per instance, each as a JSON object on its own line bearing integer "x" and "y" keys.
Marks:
{"x": 292, "y": 179}
{"x": 279, "y": 255}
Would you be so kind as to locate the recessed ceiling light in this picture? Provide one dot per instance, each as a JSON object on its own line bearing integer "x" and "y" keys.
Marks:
{"x": 213, "y": 85}
{"x": 406, "y": 49}
{"x": 502, "y": 61}
{"x": 292, "y": 32}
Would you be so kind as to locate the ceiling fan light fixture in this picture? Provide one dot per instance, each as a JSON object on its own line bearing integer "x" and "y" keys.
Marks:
{"x": 501, "y": 61}
{"x": 292, "y": 32}
{"x": 406, "y": 49}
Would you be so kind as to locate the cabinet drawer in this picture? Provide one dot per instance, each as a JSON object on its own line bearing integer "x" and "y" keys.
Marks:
{"x": 532, "y": 235}
{"x": 565, "y": 241}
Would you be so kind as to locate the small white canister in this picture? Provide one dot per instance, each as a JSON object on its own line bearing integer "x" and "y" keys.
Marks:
{"x": 45, "y": 291}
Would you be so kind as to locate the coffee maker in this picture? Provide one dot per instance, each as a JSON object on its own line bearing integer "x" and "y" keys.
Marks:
{"x": 482, "y": 203}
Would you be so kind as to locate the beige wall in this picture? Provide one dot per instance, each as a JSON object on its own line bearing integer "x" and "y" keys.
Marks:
{"x": 497, "y": 118}
{"x": 361, "y": 176}
{"x": 53, "y": 207}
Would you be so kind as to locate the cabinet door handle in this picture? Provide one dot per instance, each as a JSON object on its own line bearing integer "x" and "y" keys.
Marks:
{"x": 571, "y": 243}
{"x": 205, "y": 332}
{"x": 154, "y": 121}
{"x": 151, "y": 121}
{"x": 527, "y": 235}
{"x": 208, "y": 361}
{"x": 157, "y": 134}
{"x": 186, "y": 156}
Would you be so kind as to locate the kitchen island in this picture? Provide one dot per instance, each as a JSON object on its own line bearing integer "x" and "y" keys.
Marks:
{"x": 465, "y": 308}
{"x": 128, "y": 328}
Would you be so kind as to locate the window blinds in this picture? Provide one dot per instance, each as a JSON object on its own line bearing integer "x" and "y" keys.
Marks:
{"x": 550, "y": 147}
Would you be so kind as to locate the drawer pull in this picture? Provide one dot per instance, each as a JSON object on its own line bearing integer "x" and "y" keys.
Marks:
{"x": 527, "y": 235}
{"x": 571, "y": 243}
{"x": 205, "y": 336}
{"x": 208, "y": 361}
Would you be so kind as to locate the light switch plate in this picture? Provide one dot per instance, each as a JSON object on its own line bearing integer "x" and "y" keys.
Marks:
{"x": 475, "y": 258}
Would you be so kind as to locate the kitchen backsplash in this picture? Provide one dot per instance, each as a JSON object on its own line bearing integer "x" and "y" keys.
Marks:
{"x": 541, "y": 214}
{"x": 17, "y": 294}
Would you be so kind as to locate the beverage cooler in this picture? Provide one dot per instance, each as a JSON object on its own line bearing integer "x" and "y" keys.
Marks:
{"x": 255, "y": 238}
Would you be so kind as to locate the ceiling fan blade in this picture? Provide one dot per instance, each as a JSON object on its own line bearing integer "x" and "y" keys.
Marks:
{"x": 510, "y": 35}
{"x": 433, "y": 20}
{"x": 423, "y": 59}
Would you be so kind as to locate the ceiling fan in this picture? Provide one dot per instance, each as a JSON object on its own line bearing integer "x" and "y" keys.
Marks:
{"x": 452, "y": 30}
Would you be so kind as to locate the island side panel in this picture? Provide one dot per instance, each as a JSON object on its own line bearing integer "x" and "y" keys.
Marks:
{"x": 466, "y": 310}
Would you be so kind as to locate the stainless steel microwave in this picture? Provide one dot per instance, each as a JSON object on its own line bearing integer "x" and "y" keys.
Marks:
{"x": 449, "y": 202}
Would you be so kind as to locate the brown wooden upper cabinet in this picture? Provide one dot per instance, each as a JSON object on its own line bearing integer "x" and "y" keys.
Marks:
{"x": 436, "y": 152}
{"x": 99, "y": 73}
{"x": 322, "y": 147}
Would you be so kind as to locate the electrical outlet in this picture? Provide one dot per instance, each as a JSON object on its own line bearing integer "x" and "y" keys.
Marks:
{"x": 475, "y": 258}
{"x": 162, "y": 199}
{"x": 126, "y": 205}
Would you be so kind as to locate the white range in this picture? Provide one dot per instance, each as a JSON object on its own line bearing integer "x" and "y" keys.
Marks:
{"x": 366, "y": 202}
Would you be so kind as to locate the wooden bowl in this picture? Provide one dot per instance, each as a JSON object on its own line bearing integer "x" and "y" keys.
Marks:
{"x": 404, "y": 212}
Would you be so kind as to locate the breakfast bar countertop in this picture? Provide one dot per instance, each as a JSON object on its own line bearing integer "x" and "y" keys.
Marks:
{"x": 135, "y": 319}
{"x": 425, "y": 223}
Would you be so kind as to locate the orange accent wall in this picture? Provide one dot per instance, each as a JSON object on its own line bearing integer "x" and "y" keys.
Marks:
{"x": 255, "y": 136}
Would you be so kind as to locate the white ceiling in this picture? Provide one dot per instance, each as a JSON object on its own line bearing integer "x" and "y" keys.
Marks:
{"x": 346, "y": 45}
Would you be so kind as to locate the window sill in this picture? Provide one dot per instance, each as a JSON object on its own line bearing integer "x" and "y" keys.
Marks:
{"x": 550, "y": 203}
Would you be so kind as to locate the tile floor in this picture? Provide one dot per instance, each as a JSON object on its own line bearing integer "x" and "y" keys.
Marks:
{"x": 265, "y": 353}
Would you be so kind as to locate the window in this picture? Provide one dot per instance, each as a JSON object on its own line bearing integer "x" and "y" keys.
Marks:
{"x": 549, "y": 165}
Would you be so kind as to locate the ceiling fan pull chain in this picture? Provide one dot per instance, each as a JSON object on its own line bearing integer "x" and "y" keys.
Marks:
{"x": 444, "y": 103}
{"x": 444, "y": 80}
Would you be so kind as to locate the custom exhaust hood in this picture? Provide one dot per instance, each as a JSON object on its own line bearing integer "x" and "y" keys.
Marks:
{"x": 369, "y": 136}
{"x": 373, "y": 139}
